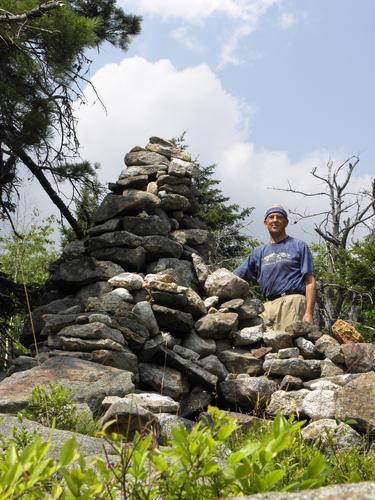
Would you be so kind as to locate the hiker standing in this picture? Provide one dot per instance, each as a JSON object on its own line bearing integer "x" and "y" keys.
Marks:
{"x": 284, "y": 270}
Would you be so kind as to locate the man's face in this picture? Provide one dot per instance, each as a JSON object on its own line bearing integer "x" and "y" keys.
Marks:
{"x": 276, "y": 223}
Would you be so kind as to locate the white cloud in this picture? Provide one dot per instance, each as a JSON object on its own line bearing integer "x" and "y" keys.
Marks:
{"x": 144, "y": 99}
{"x": 287, "y": 20}
{"x": 185, "y": 38}
{"x": 244, "y": 17}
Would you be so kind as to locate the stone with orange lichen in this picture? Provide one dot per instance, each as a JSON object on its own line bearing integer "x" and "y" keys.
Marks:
{"x": 345, "y": 333}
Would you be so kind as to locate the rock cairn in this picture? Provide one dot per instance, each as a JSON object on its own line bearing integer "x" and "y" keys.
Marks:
{"x": 136, "y": 295}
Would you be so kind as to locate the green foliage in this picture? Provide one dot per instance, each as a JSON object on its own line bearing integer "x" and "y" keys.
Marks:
{"x": 25, "y": 258}
{"x": 352, "y": 276}
{"x": 199, "y": 464}
{"x": 43, "y": 47}
{"x": 53, "y": 406}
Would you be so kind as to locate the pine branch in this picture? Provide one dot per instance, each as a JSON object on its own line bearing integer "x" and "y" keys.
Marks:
{"x": 31, "y": 14}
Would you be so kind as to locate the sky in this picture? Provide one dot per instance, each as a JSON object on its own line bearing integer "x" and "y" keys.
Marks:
{"x": 265, "y": 89}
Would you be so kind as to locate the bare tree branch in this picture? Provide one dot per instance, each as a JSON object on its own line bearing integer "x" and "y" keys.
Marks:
{"x": 8, "y": 17}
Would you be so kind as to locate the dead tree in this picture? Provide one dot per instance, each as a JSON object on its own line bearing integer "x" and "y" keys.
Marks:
{"x": 346, "y": 211}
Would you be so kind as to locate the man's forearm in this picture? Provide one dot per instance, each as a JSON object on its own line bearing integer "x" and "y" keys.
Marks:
{"x": 310, "y": 292}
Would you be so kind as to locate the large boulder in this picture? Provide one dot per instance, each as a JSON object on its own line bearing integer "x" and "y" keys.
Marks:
{"x": 83, "y": 271}
{"x": 356, "y": 401}
{"x": 89, "y": 382}
{"x": 306, "y": 369}
{"x": 359, "y": 358}
{"x": 248, "y": 392}
{"x": 131, "y": 203}
{"x": 226, "y": 285}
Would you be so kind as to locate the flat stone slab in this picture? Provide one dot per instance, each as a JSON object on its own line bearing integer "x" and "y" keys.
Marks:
{"x": 88, "y": 381}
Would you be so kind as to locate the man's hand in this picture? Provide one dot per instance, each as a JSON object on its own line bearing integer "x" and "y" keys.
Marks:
{"x": 308, "y": 317}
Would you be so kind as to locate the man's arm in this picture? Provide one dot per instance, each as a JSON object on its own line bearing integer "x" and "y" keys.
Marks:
{"x": 310, "y": 292}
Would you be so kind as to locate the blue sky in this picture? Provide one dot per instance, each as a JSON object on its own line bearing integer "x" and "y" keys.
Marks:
{"x": 266, "y": 89}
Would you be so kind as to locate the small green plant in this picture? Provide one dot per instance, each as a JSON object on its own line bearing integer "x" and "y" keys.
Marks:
{"x": 53, "y": 406}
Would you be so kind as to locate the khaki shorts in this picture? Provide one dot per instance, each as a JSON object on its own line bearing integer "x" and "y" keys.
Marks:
{"x": 282, "y": 312}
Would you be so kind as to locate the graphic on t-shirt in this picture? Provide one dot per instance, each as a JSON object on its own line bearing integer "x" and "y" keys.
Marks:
{"x": 273, "y": 258}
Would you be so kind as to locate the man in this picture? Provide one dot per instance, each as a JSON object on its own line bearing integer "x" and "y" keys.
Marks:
{"x": 284, "y": 270}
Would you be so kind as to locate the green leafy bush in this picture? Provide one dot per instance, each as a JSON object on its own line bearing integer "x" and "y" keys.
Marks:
{"x": 53, "y": 406}
{"x": 209, "y": 461}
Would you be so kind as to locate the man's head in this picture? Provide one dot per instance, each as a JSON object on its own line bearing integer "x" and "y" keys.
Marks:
{"x": 275, "y": 221}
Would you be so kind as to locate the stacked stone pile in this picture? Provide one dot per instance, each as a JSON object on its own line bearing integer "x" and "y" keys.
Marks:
{"x": 136, "y": 295}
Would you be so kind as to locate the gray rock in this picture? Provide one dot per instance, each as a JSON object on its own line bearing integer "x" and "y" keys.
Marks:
{"x": 151, "y": 347}
{"x": 134, "y": 330}
{"x": 301, "y": 328}
{"x": 20, "y": 364}
{"x": 359, "y": 357}
{"x": 78, "y": 344}
{"x": 131, "y": 259}
{"x": 74, "y": 249}
{"x": 169, "y": 422}
{"x": 329, "y": 368}
{"x": 173, "y": 180}
{"x": 319, "y": 404}
{"x": 211, "y": 301}
{"x": 124, "y": 360}
{"x": 278, "y": 340}
{"x": 173, "y": 202}
{"x": 196, "y": 401}
{"x": 128, "y": 418}
{"x": 166, "y": 148}
{"x": 93, "y": 290}
{"x": 108, "y": 303}
{"x": 321, "y": 384}
{"x": 184, "y": 272}
{"x": 153, "y": 402}
{"x": 195, "y": 304}
{"x": 87, "y": 445}
{"x": 306, "y": 369}
{"x": 217, "y": 326}
{"x": 164, "y": 380}
{"x": 172, "y": 320}
{"x": 135, "y": 182}
{"x": 131, "y": 203}
{"x": 191, "y": 237}
{"x": 144, "y": 311}
{"x": 115, "y": 239}
{"x": 55, "y": 322}
{"x": 171, "y": 300}
{"x": 89, "y": 382}
{"x": 330, "y": 435}
{"x": 356, "y": 491}
{"x": 195, "y": 373}
{"x": 250, "y": 309}
{"x": 248, "y": 392}
{"x": 356, "y": 400}
{"x": 248, "y": 336}
{"x": 93, "y": 330}
{"x": 331, "y": 348}
{"x": 123, "y": 293}
{"x": 212, "y": 364}
{"x": 147, "y": 225}
{"x": 161, "y": 246}
{"x": 241, "y": 361}
{"x": 200, "y": 268}
{"x": 290, "y": 383}
{"x": 144, "y": 157}
{"x": 226, "y": 285}
{"x": 287, "y": 403}
{"x": 307, "y": 348}
{"x": 288, "y": 352}
{"x": 203, "y": 347}
{"x": 186, "y": 353}
{"x": 107, "y": 227}
{"x": 83, "y": 271}
{"x": 149, "y": 170}
{"x": 231, "y": 305}
{"x": 130, "y": 281}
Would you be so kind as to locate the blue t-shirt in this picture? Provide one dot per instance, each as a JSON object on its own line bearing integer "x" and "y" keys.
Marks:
{"x": 278, "y": 267}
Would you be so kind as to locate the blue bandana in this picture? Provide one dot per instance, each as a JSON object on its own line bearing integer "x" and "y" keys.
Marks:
{"x": 275, "y": 210}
